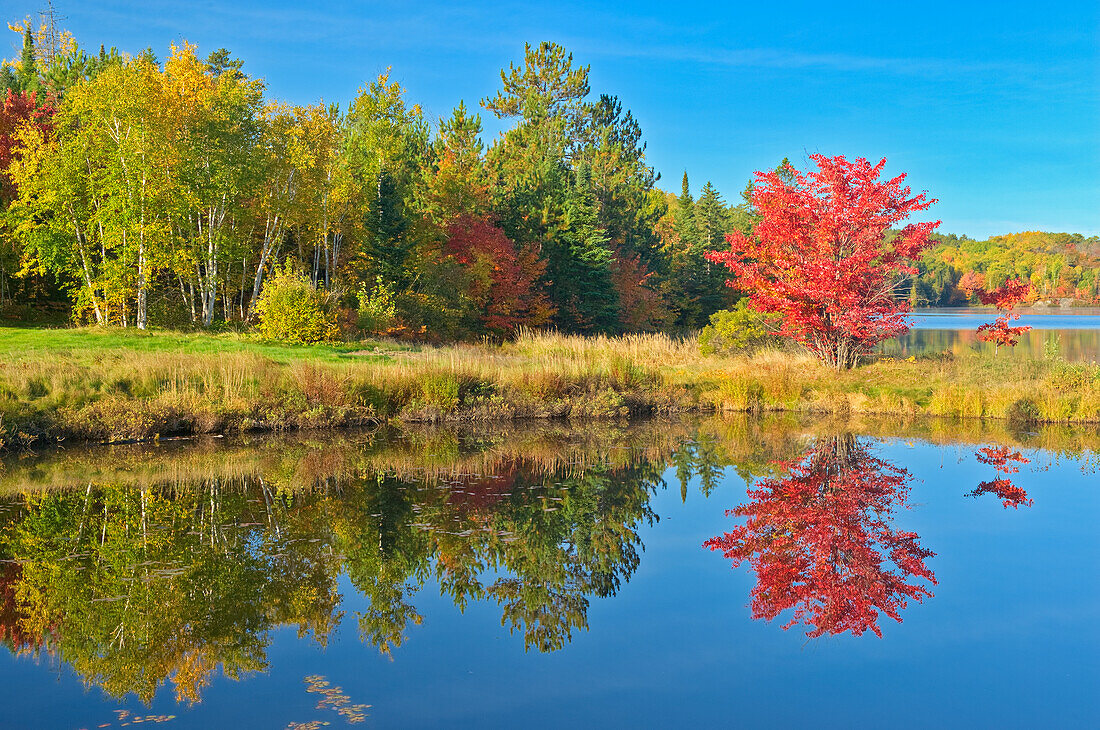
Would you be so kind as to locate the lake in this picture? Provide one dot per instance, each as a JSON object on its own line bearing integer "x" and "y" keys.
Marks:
{"x": 1075, "y": 333}
{"x": 868, "y": 574}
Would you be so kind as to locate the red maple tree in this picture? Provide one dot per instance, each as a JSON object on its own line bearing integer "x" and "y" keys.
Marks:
{"x": 1003, "y": 460}
{"x": 640, "y": 305}
{"x": 504, "y": 280}
{"x": 1004, "y": 298}
{"x": 26, "y": 107}
{"x": 820, "y": 541}
{"x": 822, "y": 254}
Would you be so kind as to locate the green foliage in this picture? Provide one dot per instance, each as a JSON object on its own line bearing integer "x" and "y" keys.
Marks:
{"x": 177, "y": 222}
{"x": 693, "y": 287}
{"x": 27, "y": 75}
{"x": 291, "y": 309}
{"x": 377, "y": 309}
{"x": 1052, "y": 347}
{"x": 739, "y": 329}
{"x": 1023, "y": 411}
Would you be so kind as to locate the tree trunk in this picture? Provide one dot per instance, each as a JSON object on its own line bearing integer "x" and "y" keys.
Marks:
{"x": 143, "y": 294}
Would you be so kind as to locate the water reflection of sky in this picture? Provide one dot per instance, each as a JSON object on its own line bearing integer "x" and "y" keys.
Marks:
{"x": 1009, "y": 638}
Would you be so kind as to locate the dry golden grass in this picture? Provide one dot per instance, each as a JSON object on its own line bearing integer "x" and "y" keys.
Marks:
{"x": 132, "y": 390}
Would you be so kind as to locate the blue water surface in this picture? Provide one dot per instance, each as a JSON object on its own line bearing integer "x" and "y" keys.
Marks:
{"x": 1010, "y": 638}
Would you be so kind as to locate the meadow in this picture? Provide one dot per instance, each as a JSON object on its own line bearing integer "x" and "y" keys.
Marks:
{"x": 112, "y": 385}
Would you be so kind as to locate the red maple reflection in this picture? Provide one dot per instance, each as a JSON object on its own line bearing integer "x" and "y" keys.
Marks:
{"x": 476, "y": 494}
{"x": 1003, "y": 461}
{"x": 819, "y": 539}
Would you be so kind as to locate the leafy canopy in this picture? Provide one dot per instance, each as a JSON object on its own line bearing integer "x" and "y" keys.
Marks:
{"x": 822, "y": 254}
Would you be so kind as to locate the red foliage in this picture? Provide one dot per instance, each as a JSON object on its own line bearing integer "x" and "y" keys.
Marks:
{"x": 1004, "y": 298}
{"x": 12, "y": 617}
{"x": 1009, "y": 494}
{"x": 504, "y": 281}
{"x": 17, "y": 110}
{"x": 818, "y": 540}
{"x": 819, "y": 254}
{"x": 1007, "y": 295}
{"x": 1004, "y": 462}
{"x": 639, "y": 304}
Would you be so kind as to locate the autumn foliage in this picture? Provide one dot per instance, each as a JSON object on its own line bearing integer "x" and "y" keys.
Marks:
{"x": 821, "y": 254}
{"x": 17, "y": 110}
{"x": 1004, "y": 461}
{"x": 1004, "y": 298}
{"x": 821, "y": 542}
{"x": 503, "y": 280}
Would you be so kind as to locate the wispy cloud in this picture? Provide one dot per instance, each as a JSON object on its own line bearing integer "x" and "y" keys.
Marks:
{"x": 779, "y": 58}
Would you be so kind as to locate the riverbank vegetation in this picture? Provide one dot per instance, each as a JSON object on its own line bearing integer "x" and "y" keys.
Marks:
{"x": 108, "y": 385}
{"x": 252, "y": 265}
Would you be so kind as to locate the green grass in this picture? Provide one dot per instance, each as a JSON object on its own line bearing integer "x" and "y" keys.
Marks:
{"x": 87, "y": 343}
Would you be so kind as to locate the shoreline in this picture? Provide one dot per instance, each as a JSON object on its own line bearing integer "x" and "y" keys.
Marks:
{"x": 106, "y": 387}
{"x": 445, "y": 451}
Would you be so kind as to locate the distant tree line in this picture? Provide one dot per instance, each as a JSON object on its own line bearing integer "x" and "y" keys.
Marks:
{"x": 1059, "y": 266}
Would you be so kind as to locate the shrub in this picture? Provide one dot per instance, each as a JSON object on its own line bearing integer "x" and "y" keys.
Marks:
{"x": 1023, "y": 410}
{"x": 291, "y": 309}
{"x": 739, "y": 329}
{"x": 441, "y": 390}
{"x": 377, "y": 309}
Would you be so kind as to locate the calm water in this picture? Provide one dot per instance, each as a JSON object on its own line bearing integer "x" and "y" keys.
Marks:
{"x": 1074, "y": 332}
{"x": 549, "y": 576}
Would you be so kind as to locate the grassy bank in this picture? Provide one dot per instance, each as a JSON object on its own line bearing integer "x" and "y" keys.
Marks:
{"x": 111, "y": 385}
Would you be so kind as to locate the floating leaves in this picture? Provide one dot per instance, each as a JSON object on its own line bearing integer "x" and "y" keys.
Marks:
{"x": 332, "y": 698}
{"x": 125, "y": 719}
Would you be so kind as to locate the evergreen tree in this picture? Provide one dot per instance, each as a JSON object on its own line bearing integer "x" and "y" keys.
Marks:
{"x": 583, "y": 292}
{"x": 27, "y": 76}
{"x": 711, "y": 218}
{"x": 685, "y": 217}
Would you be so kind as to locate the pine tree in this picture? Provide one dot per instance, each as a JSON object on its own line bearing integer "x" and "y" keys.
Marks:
{"x": 583, "y": 291}
{"x": 684, "y": 224}
{"x": 27, "y": 77}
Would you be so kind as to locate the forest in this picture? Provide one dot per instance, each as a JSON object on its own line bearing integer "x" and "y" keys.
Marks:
{"x": 170, "y": 193}
{"x": 149, "y": 193}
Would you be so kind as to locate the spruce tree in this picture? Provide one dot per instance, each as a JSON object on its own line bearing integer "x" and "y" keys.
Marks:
{"x": 27, "y": 77}
{"x": 711, "y": 218}
{"x": 684, "y": 221}
{"x": 583, "y": 292}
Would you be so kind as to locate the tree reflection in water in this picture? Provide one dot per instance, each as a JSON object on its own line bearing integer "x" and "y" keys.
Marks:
{"x": 145, "y": 567}
{"x": 1004, "y": 461}
{"x": 135, "y": 586}
{"x": 822, "y": 543}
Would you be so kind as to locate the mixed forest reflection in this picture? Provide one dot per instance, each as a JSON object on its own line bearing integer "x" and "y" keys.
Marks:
{"x": 140, "y": 567}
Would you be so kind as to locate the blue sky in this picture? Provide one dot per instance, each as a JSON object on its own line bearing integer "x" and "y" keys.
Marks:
{"x": 994, "y": 108}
